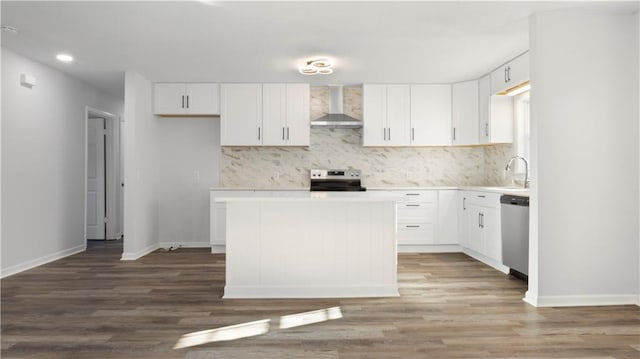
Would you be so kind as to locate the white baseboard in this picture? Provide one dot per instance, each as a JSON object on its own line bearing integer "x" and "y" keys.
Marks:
{"x": 21, "y": 267}
{"x": 355, "y": 291}
{"x": 141, "y": 253}
{"x": 429, "y": 248}
{"x": 580, "y": 300}
{"x": 218, "y": 248}
{"x": 486, "y": 260}
{"x": 185, "y": 244}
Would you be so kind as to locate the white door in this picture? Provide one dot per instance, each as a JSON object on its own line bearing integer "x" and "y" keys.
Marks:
{"x": 431, "y": 115}
{"x": 464, "y": 115}
{"x": 170, "y": 99}
{"x": 398, "y": 115}
{"x": 298, "y": 115}
{"x": 95, "y": 179}
{"x": 241, "y": 115}
{"x": 203, "y": 99}
{"x": 274, "y": 121}
{"x": 374, "y": 110}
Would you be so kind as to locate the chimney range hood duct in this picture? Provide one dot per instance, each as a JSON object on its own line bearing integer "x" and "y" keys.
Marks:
{"x": 336, "y": 118}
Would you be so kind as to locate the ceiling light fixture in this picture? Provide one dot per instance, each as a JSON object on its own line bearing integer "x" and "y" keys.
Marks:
{"x": 320, "y": 66}
{"x": 64, "y": 57}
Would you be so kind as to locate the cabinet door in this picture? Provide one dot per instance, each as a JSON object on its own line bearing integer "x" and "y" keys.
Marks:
{"x": 465, "y": 113}
{"x": 298, "y": 115}
{"x": 241, "y": 115}
{"x": 170, "y": 99}
{"x": 462, "y": 219}
{"x": 203, "y": 99}
{"x": 274, "y": 112}
{"x": 447, "y": 217}
{"x": 475, "y": 235}
{"x": 518, "y": 70}
{"x": 398, "y": 115}
{"x": 499, "y": 79}
{"x": 484, "y": 108}
{"x": 374, "y": 111}
{"x": 431, "y": 115}
{"x": 491, "y": 227}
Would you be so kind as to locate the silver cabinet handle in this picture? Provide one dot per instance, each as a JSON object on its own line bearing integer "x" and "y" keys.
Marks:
{"x": 412, "y": 205}
{"x": 182, "y": 101}
{"x": 413, "y": 134}
{"x": 283, "y": 133}
{"x": 411, "y": 226}
{"x": 479, "y": 220}
{"x": 505, "y": 74}
{"x": 384, "y": 133}
{"x": 412, "y": 194}
{"x": 454, "y": 133}
{"x": 509, "y": 73}
{"x": 187, "y": 101}
{"x": 389, "y": 133}
{"x": 258, "y": 133}
{"x": 287, "y": 133}
{"x": 464, "y": 203}
{"x": 486, "y": 129}
{"x": 481, "y": 196}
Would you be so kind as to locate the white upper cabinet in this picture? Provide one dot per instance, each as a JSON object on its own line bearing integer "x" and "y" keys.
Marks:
{"x": 496, "y": 115}
{"x": 298, "y": 113}
{"x": 398, "y": 115}
{"x": 274, "y": 114}
{"x": 265, "y": 115}
{"x": 374, "y": 112}
{"x": 387, "y": 116}
{"x": 431, "y": 115}
{"x": 191, "y": 99}
{"x": 464, "y": 113}
{"x": 241, "y": 115}
{"x": 285, "y": 114}
{"x": 510, "y": 74}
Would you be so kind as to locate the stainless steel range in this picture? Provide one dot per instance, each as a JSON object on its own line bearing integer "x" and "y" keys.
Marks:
{"x": 336, "y": 180}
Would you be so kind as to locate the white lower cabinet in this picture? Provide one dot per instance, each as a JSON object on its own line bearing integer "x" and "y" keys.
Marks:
{"x": 480, "y": 227}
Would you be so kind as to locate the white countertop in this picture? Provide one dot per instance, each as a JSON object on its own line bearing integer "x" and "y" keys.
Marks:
{"x": 315, "y": 196}
{"x": 517, "y": 191}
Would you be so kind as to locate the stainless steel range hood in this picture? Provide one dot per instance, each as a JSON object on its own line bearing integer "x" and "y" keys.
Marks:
{"x": 336, "y": 117}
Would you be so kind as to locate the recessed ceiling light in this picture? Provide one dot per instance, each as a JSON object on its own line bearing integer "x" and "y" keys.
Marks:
{"x": 64, "y": 57}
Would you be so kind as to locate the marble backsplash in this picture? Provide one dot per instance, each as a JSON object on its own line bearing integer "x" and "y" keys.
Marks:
{"x": 287, "y": 167}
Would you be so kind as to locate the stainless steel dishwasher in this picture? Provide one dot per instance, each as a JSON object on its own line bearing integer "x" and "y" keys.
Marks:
{"x": 515, "y": 234}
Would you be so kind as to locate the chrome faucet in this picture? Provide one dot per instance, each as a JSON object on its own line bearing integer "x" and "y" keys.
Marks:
{"x": 526, "y": 168}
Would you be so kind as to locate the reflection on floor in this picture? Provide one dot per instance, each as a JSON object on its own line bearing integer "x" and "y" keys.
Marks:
{"x": 93, "y": 305}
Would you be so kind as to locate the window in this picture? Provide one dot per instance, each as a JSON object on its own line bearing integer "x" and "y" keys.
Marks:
{"x": 522, "y": 138}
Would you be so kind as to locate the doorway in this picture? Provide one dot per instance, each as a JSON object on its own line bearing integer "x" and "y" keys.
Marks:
{"x": 102, "y": 184}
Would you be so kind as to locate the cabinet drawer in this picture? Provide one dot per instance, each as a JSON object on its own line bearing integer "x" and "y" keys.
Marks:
{"x": 483, "y": 199}
{"x": 421, "y": 213}
{"x": 416, "y": 233}
{"x": 417, "y": 196}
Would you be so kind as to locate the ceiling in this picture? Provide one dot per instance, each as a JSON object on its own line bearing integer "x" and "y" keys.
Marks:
{"x": 204, "y": 41}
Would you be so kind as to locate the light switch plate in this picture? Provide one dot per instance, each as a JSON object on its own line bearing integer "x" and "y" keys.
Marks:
{"x": 27, "y": 81}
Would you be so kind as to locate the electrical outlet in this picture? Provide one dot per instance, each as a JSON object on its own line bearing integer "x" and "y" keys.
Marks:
{"x": 409, "y": 175}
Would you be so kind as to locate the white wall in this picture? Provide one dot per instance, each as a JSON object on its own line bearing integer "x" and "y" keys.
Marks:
{"x": 140, "y": 131}
{"x": 43, "y": 149}
{"x": 186, "y": 145}
{"x": 585, "y": 159}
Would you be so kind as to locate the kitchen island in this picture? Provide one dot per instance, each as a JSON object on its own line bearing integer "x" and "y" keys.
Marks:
{"x": 311, "y": 245}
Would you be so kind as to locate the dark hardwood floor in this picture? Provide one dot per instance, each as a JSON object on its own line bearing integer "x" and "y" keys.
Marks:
{"x": 92, "y": 305}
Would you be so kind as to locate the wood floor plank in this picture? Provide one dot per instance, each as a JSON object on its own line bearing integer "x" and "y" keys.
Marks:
{"x": 92, "y": 305}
